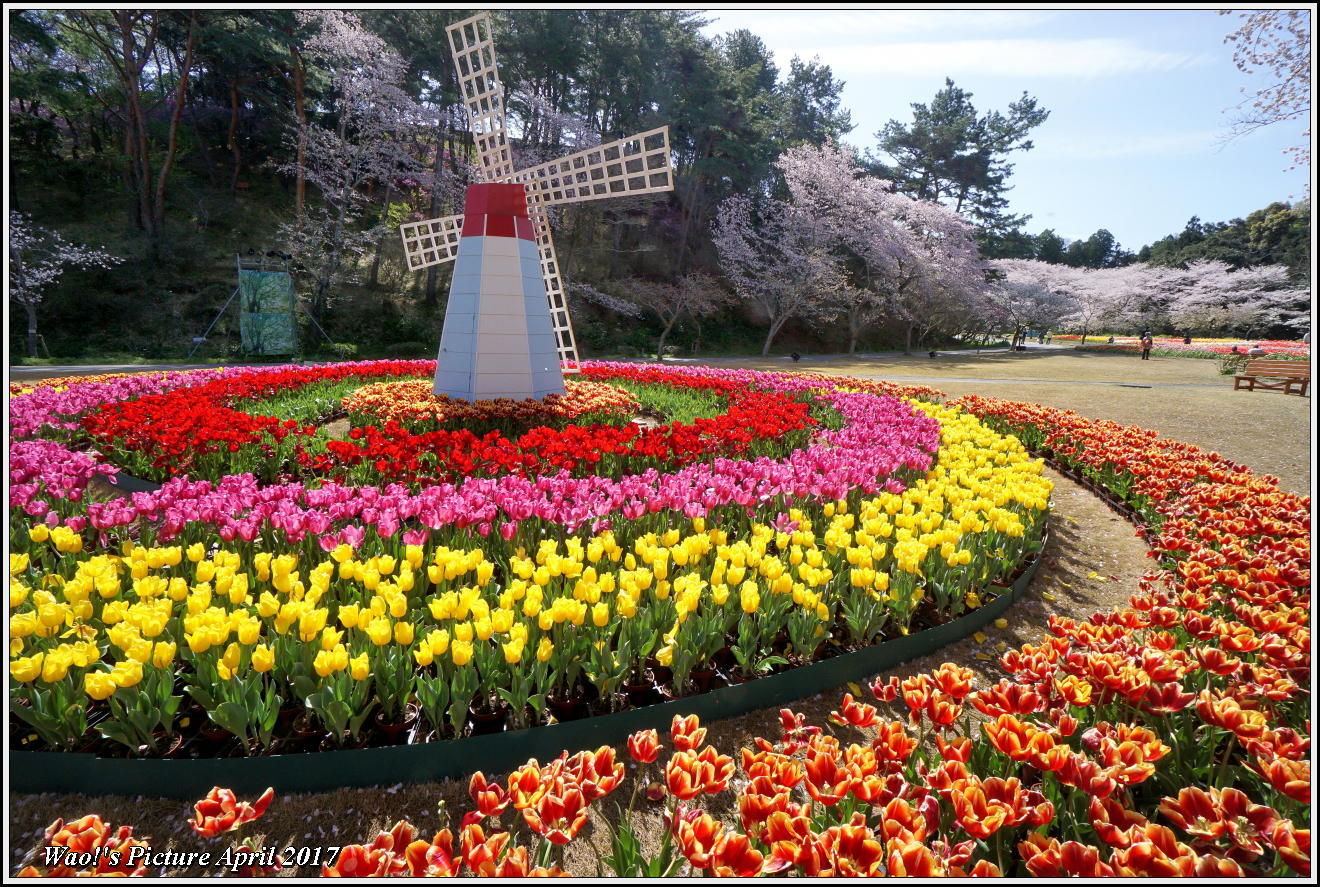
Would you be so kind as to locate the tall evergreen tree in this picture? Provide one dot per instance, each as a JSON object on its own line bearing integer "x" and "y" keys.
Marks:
{"x": 952, "y": 154}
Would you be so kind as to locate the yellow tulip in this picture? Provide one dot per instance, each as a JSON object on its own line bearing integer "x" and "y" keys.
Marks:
{"x": 98, "y": 685}
{"x": 359, "y": 667}
{"x": 26, "y": 669}
{"x": 37, "y": 533}
{"x": 379, "y": 631}
{"x": 403, "y": 633}
{"x": 263, "y": 658}
{"x": 544, "y": 649}
{"x": 330, "y": 638}
{"x": 461, "y": 652}
{"x": 127, "y": 673}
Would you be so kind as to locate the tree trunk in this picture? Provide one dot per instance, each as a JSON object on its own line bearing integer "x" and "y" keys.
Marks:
{"x": 775, "y": 327}
{"x": 433, "y": 273}
{"x": 158, "y": 199}
{"x": 854, "y": 324}
{"x": 135, "y": 124}
{"x": 300, "y": 111}
{"x": 664, "y": 334}
{"x": 907, "y": 340}
{"x": 31, "y": 309}
{"x": 232, "y": 138}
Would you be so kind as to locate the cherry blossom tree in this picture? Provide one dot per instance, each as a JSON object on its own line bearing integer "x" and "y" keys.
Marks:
{"x": 1278, "y": 43}
{"x": 366, "y": 147}
{"x": 1210, "y": 296}
{"x": 1029, "y": 296}
{"x": 694, "y": 295}
{"x": 37, "y": 258}
{"x": 786, "y": 264}
{"x": 914, "y": 260}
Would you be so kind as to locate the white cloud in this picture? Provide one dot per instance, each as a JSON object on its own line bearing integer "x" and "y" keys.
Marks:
{"x": 1111, "y": 146}
{"x": 776, "y": 25}
{"x": 1085, "y": 58}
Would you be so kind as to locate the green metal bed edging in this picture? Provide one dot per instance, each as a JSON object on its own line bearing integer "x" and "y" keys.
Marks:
{"x": 32, "y": 772}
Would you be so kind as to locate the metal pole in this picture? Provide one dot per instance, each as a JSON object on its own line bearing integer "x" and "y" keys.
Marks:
{"x": 218, "y": 315}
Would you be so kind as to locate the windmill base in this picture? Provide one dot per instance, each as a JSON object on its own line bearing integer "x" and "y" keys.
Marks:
{"x": 498, "y": 340}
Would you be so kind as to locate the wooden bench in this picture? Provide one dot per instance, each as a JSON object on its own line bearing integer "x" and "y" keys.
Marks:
{"x": 1288, "y": 376}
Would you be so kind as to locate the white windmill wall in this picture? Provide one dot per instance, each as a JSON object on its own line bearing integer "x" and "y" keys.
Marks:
{"x": 498, "y": 341}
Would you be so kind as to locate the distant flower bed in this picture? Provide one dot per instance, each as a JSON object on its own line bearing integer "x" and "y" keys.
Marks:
{"x": 1206, "y": 348}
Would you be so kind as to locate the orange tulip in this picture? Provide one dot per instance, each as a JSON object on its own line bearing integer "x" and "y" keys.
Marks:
{"x": 644, "y": 746}
{"x": 696, "y": 835}
{"x": 559, "y": 813}
{"x": 828, "y": 778}
{"x": 856, "y": 714}
{"x": 1113, "y": 822}
{"x": 893, "y": 744}
{"x": 689, "y": 773}
{"x": 1292, "y": 778}
{"x": 849, "y": 851}
{"x": 489, "y": 797}
{"x": 790, "y": 838}
{"x": 943, "y": 710}
{"x": 1293, "y": 846}
{"x": 1006, "y": 698}
{"x": 954, "y": 749}
{"x": 913, "y": 860}
{"x": 221, "y": 812}
{"x": 433, "y": 859}
{"x": 687, "y": 733}
{"x": 735, "y": 857}
{"x": 954, "y": 680}
{"x": 982, "y": 808}
{"x": 384, "y": 857}
{"x": 1047, "y": 858}
{"x": 482, "y": 854}
{"x": 525, "y": 785}
{"x": 784, "y": 771}
{"x": 596, "y": 773}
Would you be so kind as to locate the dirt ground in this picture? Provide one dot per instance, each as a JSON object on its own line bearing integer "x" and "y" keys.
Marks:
{"x": 1090, "y": 565}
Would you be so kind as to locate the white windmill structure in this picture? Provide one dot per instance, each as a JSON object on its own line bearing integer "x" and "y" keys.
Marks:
{"x": 507, "y": 331}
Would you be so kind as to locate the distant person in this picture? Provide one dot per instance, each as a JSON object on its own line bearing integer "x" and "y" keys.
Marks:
{"x": 1146, "y": 344}
{"x": 1257, "y": 351}
{"x": 1111, "y": 341}
{"x": 933, "y": 354}
{"x": 1306, "y": 338}
{"x": 1235, "y": 350}
{"x": 1187, "y": 340}
{"x": 796, "y": 357}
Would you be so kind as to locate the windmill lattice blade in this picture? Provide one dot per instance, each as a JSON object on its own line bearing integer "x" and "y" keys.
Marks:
{"x": 638, "y": 164}
{"x": 431, "y": 242}
{"x": 483, "y": 94}
{"x": 554, "y": 285}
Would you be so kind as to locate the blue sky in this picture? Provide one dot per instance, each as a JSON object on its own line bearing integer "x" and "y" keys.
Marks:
{"x": 1134, "y": 141}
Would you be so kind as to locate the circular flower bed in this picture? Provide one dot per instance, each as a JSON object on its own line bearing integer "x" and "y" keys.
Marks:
{"x": 500, "y": 596}
{"x": 1170, "y": 738}
{"x": 205, "y": 431}
{"x": 412, "y": 404}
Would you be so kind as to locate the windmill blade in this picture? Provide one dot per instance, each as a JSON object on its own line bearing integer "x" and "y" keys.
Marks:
{"x": 638, "y": 164}
{"x": 431, "y": 242}
{"x": 565, "y": 341}
{"x": 479, "y": 83}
